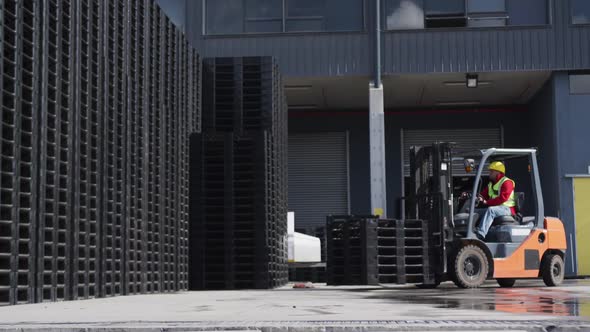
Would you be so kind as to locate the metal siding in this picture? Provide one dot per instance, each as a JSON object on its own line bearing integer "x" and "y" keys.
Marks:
{"x": 557, "y": 46}
{"x": 318, "y": 177}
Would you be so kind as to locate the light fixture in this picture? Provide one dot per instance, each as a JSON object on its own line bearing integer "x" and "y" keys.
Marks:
{"x": 471, "y": 80}
{"x": 463, "y": 84}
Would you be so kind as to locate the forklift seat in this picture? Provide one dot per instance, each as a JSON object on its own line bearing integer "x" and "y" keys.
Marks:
{"x": 511, "y": 228}
{"x": 512, "y": 220}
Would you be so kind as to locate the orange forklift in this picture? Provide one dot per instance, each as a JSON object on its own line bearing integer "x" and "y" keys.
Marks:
{"x": 524, "y": 246}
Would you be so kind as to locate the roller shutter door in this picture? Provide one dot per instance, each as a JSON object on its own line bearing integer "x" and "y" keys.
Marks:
{"x": 465, "y": 138}
{"x": 318, "y": 177}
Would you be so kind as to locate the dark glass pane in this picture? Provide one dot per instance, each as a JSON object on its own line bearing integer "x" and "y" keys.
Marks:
{"x": 303, "y": 8}
{"x": 580, "y": 11}
{"x": 403, "y": 14}
{"x": 344, "y": 15}
{"x": 528, "y": 12}
{"x": 446, "y": 7}
{"x": 224, "y": 16}
{"x": 264, "y": 25}
{"x": 298, "y": 25}
{"x": 447, "y": 22}
{"x": 264, "y": 9}
{"x": 486, "y": 6}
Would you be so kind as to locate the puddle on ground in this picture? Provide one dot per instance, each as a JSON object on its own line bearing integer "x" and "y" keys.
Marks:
{"x": 525, "y": 300}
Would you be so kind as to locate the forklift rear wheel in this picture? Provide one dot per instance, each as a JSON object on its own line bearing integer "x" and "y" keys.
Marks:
{"x": 552, "y": 270}
{"x": 471, "y": 267}
{"x": 506, "y": 282}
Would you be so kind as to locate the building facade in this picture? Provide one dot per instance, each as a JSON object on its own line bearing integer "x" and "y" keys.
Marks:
{"x": 531, "y": 59}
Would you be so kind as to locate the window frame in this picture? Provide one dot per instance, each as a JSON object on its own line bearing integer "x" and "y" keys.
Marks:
{"x": 490, "y": 15}
{"x": 571, "y": 14}
{"x": 549, "y": 4}
{"x": 207, "y": 34}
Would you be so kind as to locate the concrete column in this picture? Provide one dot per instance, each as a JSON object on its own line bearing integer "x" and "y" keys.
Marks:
{"x": 377, "y": 151}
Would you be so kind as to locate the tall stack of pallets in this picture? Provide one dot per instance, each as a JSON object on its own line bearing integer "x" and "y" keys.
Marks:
{"x": 239, "y": 200}
{"x": 98, "y": 101}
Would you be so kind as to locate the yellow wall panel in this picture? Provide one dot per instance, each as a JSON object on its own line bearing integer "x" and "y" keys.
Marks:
{"x": 582, "y": 208}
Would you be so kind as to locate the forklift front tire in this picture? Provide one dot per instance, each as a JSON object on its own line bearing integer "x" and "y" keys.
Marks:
{"x": 506, "y": 282}
{"x": 470, "y": 268}
{"x": 552, "y": 270}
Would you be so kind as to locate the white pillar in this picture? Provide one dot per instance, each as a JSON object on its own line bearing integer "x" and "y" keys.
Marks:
{"x": 377, "y": 151}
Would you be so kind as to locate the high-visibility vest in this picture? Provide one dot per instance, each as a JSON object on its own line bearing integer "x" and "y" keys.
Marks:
{"x": 494, "y": 191}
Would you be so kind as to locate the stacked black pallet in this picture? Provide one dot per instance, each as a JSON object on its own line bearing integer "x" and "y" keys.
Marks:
{"x": 19, "y": 59}
{"x": 369, "y": 251}
{"x": 403, "y": 247}
{"x": 315, "y": 274}
{"x": 238, "y": 199}
{"x": 351, "y": 250}
{"x": 98, "y": 100}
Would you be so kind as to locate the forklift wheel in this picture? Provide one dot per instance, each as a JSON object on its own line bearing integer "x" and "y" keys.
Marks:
{"x": 552, "y": 270}
{"x": 471, "y": 267}
{"x": 506, "y": 282}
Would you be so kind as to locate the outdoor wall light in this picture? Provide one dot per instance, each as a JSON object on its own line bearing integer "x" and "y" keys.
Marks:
{"x": 471, "y": 80}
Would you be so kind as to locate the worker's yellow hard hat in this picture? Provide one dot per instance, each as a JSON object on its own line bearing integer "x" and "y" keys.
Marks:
{"x": 497, "y": 166}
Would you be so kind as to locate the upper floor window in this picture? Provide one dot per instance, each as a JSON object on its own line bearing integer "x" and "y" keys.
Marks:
{"x": 419, "y": 14}
{"x": 267, "y": 16}
{"x": 580, "y": 11}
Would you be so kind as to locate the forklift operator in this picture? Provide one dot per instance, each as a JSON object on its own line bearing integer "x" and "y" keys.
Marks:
{"x": 498, "y": 197}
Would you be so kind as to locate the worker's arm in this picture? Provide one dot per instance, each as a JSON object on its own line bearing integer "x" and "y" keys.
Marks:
{"x": 505, "y": 192}
{"x": 484, "y": 193}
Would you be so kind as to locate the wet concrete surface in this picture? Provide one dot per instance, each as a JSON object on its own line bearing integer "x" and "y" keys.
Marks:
{"x": 529, "y": 306}
{"x": 526, "y": 297}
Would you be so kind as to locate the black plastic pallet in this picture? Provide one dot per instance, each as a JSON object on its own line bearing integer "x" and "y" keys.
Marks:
{"x": 94, "y": 196}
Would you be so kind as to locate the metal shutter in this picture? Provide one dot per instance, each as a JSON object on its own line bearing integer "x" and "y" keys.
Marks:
{"x": 318, "y": 177}
{"x": 465, "y": 138}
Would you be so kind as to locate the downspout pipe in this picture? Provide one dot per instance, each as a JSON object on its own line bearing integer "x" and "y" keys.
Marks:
{"x": 377, "y": 50}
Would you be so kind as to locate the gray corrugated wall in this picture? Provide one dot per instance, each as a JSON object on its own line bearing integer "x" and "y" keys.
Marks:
{"x": 572, "y": 116}
{"x": 543, "y": 136}
{"x": 555, "y": 47}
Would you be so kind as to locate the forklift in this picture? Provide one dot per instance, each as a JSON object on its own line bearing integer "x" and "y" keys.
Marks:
{"x": 524, "y": 246}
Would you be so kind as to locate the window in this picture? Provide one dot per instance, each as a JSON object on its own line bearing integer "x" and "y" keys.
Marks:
{"x": 440, "y": 14}
{"x": 528, "y": 12}
{"x": 224, "y": 17}
{"x": 580, "y": 11}
{"x": 486, "y": 13}
{"x": 305, "y": 15}
{"x": 264, "y": 16}
{"x": 419, "y": 14}
{"x": 403, "y": 14}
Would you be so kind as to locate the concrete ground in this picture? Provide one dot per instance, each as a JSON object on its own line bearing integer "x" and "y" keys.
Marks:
{"x": 528, "y": 307}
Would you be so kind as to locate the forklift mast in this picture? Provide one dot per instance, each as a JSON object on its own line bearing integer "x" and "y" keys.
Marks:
{"x": 431, "y": 197}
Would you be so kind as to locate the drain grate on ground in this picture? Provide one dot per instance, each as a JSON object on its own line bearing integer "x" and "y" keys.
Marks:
{"x": 312, "y": 326}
